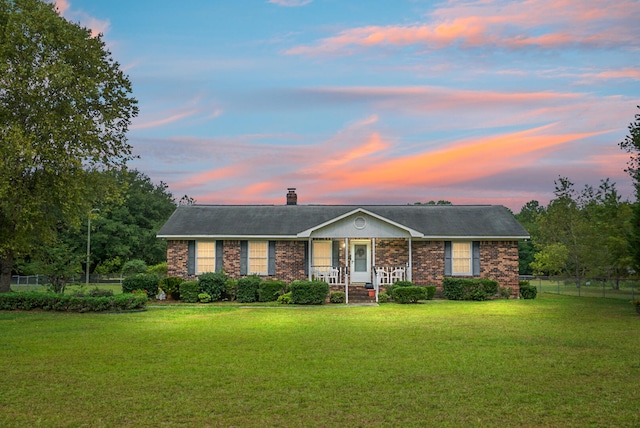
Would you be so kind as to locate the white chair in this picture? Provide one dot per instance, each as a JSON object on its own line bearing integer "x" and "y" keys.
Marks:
{"x": 397, "y": 275}
{"x": 382, "y": 276}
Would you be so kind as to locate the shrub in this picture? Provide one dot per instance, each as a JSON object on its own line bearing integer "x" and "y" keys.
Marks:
{"x": 248, "y": 288}
{"x": 133, "y": 267}
{"x": 141, "y": 281}
{"x": 528, "y": 291}
{"x": 171, "y": 286}
{"x": 431, "y": 291}
{"x": 159, "y": 269}
{"x": 270, "y": 290}
{"x": 189, "y": 291}
{"x": 505, "y": 292}
{"x": 213, "y": 284}
{"x": 231, "y": 289}
{"x": 389, "y": 288}
{"x": 409, "y": 294}
{"x": 383, "y": 298}
{"x": 337, "y": 297}
{"x": 204, "y": 297}
{"x": 61, "y": 302}
{"x": 468, "y": 288}
{"x": 285, "y": 299}
{"x": 309, "y": 292}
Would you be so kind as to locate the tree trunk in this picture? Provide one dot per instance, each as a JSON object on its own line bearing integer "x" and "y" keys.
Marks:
{"x": 6, "y": 265}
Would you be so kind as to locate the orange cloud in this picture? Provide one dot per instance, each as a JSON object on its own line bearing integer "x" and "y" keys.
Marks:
{"x": 458, "y": 163}
{"x": 97, "y": 26}
{"x": 510, "y": 25}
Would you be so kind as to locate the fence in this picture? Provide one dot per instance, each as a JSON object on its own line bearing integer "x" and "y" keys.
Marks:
{"x": 34, "y": 282}
{"x": 627, "y": 289}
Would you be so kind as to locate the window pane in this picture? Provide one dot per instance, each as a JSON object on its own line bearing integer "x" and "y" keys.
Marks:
{"x": 322, "y": 254}
{"x": 461, "y": 255}
{"x": 258, "y": 257}
{"x": 206, "y": 256}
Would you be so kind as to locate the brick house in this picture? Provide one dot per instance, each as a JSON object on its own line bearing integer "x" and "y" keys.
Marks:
{"x": 348, "y": 246}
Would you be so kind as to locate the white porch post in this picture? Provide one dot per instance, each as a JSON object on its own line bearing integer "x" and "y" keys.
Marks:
{"x": 346, "y": 270}
{"x": 373, "y": 263}
{"x": 409, "y": 276}
{"x": 309, "y": 262}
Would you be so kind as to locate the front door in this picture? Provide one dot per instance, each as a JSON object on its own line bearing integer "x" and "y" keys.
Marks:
{"x": 360, "y": 261}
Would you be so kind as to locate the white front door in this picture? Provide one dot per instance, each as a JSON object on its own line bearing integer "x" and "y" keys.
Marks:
{"x": 360, "y": 261}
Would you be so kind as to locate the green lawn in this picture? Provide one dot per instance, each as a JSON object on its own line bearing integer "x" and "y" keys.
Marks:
{"x": 554, "y": 361}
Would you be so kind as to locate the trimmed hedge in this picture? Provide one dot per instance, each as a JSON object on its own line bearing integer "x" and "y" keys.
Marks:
{"x": 469, "y": 288}
{"x": 528, "y": 291}
{"x": 309, "y": 292}
{"x": 171, "y": 286}
{"x": 271, "y": 289}
{"x": 409, "y": 294}
{"x": 431, "y": 291}
{"x": 213, "y": 284}
{"x": 337, "y": 297}
{"x": 25, "y": 301}
{"x": 141, "y": 281}
{"x": 189, "y": 291}
{"x": 248, "y": 289}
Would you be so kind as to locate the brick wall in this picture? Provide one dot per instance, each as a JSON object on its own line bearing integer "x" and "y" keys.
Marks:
{"x": 290, "y": 260}
{"x": 498, "y": 260}
{"x": 427, "y": 262}
{"x": 177, "y": 259}
{"x": 392, "y": 252}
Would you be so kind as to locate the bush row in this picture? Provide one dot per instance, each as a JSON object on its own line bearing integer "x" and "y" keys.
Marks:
{"x": 469, "y": 288}
{"x": 64, "y": 303}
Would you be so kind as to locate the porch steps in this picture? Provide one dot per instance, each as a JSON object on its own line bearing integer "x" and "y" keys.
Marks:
{"x": 359, "y": 294}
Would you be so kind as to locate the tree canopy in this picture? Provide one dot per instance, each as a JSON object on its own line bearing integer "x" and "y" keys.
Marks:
{"x": 65, "y": 108}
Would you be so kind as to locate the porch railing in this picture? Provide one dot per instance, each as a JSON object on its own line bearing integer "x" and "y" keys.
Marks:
{"x": 332, "y": 275}
{"x": 387, "y": 275}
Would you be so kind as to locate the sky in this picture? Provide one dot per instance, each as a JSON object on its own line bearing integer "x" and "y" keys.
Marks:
{"x": 375, "y": 101}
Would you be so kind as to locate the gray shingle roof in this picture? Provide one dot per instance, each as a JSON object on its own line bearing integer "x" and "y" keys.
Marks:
{"x": 490, "y": 221}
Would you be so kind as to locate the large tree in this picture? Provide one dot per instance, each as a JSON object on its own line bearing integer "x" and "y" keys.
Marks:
{"x": 631, "y": 144}
{"x": 65, "y": 107}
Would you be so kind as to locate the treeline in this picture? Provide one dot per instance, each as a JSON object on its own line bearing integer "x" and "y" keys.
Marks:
{"x": 121, "y": 229}
{"x": 580, "y": 234}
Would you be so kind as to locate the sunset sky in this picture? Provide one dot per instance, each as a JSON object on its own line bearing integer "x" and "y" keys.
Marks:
{"x": 375, "y": 102}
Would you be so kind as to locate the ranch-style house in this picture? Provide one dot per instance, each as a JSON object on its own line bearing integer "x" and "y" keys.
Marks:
{"x": 348, "y": 246}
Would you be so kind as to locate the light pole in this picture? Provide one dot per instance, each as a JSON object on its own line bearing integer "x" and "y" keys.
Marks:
{"x": 89, "y": 242}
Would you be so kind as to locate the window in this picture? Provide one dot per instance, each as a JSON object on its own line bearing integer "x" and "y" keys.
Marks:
{"x": 322, "y": 255}
{"x": 461, "y": 258}
{"x": 258, "y": 257}
{"x": 205, "y": 256}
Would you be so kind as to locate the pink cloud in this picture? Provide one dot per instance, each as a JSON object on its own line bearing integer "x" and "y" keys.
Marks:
{"x": 97, "y": 26}
{"x": 498, "y": 24}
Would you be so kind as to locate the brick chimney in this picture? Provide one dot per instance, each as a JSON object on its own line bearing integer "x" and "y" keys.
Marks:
{"x": 292, "y": 198}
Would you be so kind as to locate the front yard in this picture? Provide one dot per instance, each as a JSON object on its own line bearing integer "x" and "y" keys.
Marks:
{"x": 552, "y": 361}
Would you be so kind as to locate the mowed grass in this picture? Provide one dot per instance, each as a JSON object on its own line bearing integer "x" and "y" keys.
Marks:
{"x": 553, "y": 361}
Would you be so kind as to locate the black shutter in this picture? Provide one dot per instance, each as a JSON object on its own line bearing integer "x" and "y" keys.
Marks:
{"x": 244, "y": 254}
{"x": 219, "y": 255}
{"x": 335, "y": 254}
{"x": 271, "y": 258}
{"x": 306, "y": 258}
{"x": 191, "y": 258}
{"x": 447, "y": 258}
{"x": 475, "y": 251}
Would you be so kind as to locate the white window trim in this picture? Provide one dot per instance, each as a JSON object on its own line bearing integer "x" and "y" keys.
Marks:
{"x": 249, "y": 258}
{"x": 468, "y": 272}
{"x": 198, "y": 270}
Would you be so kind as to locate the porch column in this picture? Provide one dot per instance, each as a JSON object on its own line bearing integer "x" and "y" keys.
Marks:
{"x": 409, "y": 276}
{"x": 346, "y": 270}
{"x": 309, "y": 262}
